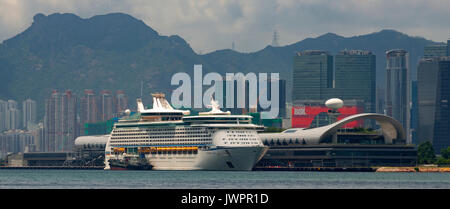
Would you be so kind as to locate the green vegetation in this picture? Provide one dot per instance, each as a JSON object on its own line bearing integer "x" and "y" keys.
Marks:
{"x": 444, "y": 159}
{"x": 273, "y": 130}
{"x": 363, "y": 130}
{"x": 425, "y": 153}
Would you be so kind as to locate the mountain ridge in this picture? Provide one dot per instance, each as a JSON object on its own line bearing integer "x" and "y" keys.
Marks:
{"x": 117, "y": 51}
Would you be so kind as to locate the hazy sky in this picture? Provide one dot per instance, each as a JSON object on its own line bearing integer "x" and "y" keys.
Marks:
{"x": 215, "y": 24}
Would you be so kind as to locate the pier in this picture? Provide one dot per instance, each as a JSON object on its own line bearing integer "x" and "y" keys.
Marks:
{"x": 55, "y": 167}
{"x": 326, "y": 169}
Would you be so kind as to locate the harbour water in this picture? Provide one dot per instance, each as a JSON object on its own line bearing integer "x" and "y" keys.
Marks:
{"x": 100, "y": 179}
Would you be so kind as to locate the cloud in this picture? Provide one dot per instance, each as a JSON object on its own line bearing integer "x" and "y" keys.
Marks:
{"x": 209, "y": 25}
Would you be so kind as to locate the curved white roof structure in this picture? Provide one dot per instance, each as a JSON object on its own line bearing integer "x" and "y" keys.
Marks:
{"x": 91, "y": 140}
{"x": 391, "y": 129}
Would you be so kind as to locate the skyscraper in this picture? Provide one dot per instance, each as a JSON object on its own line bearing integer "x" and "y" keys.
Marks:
{"x": 106, "y": 105}
{"x": 12, "y": 104}
{"x": 448, "y": 47}
{"x": 312, "y": 76}
{"x": 350, "y": 77}
{"x": 398, "y": 88}
{"x": 435, "y": 51}
{"x": 12, "y": 119}
{"x": 70, "y": 127}
{"x": 121, "y": 102}
{"x": 88, "y": 109}
{"x": 414, "y": 113}
{"x": 60, "y": 122}
{"x": 28, "y": 113}
{"x": 12, "y": 116}
{"x": 16, "y": 141}
{"x": 355, "y": 77}
{"x": 52, "y": 121}
{"x": 433, "y": 92}
{"x": 3, "y": 109}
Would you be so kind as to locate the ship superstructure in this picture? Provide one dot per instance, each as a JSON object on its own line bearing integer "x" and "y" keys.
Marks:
{"x": 170, "y": 139}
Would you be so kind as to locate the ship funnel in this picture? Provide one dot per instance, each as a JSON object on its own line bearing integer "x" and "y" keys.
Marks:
{"x": 140, "y": 105}
{"x": 160, "y": 105}
{"x": 160, "y": 102}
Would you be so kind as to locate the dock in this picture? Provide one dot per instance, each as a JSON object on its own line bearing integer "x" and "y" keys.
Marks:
{"x": 55, "y": 167}
{"x": 325, "y": 169}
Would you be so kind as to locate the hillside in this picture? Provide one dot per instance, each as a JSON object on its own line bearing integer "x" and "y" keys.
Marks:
{"x": 116, "y": 51}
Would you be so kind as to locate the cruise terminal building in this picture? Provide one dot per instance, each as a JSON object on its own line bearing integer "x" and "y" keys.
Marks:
{"x": 336, "y": 147}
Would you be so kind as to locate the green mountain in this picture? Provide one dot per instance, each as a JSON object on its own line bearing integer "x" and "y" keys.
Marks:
{"x": 118, "y": 52}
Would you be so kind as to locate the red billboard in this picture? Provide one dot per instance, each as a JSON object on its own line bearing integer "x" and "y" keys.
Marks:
{"x": 303, "y": 116}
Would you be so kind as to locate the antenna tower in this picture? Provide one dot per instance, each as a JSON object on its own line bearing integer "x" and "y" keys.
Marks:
{"x": 275, "y": 38}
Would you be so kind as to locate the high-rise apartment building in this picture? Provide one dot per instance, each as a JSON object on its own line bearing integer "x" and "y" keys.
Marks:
{"x": 121, "y": 102}
{"x": 12, "y": 104}
{"x": 60, "y": 124}
{"x": 70, "y": 127}
{"x": 398, "y": 88}
{"x": 12, "y": 116}
{"x": 3, "y": 109}
{"x": 12, "y": 119}
{"x": 15, "y": 141}
{"x": 28, "y": 113}
{"x": 52, "y": 122}
{"x": 106, "y": 105}
{"x": 433, "y": 92}
{"x": 88, "y": 109}
{"x": 39, "y": 136}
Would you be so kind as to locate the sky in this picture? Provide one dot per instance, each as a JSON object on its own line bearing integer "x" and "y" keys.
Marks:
{"x": 209, "y": 25}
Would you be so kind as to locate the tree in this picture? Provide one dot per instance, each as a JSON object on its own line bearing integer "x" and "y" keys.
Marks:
{"x": 444, "y": 159}
{"x": 445, "y": 153}
{"x": 425, "y": 153}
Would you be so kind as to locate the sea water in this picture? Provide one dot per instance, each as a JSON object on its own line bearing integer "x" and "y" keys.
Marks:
{"x": 107, "y": 179}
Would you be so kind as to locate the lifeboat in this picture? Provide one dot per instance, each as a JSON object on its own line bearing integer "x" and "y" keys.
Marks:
{"x": 144, "y": 149}
{"x": 119, "y": 149}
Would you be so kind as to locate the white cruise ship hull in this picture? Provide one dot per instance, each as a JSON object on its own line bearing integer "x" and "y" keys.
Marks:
{"x": 170, "y": 140}
{"x": 223, "y": 159}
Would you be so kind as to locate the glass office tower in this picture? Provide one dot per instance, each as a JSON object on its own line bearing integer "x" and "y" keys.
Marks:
{"x": 312, "y": 76}
{"x": 398, "y": 88}
{"x": 435, "y": 51}
{"x": 355, "y": 77}
{"x": 433, "y": 92}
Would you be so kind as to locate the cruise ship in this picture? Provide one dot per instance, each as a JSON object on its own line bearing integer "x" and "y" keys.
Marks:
{"x": 171, "y": 139}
